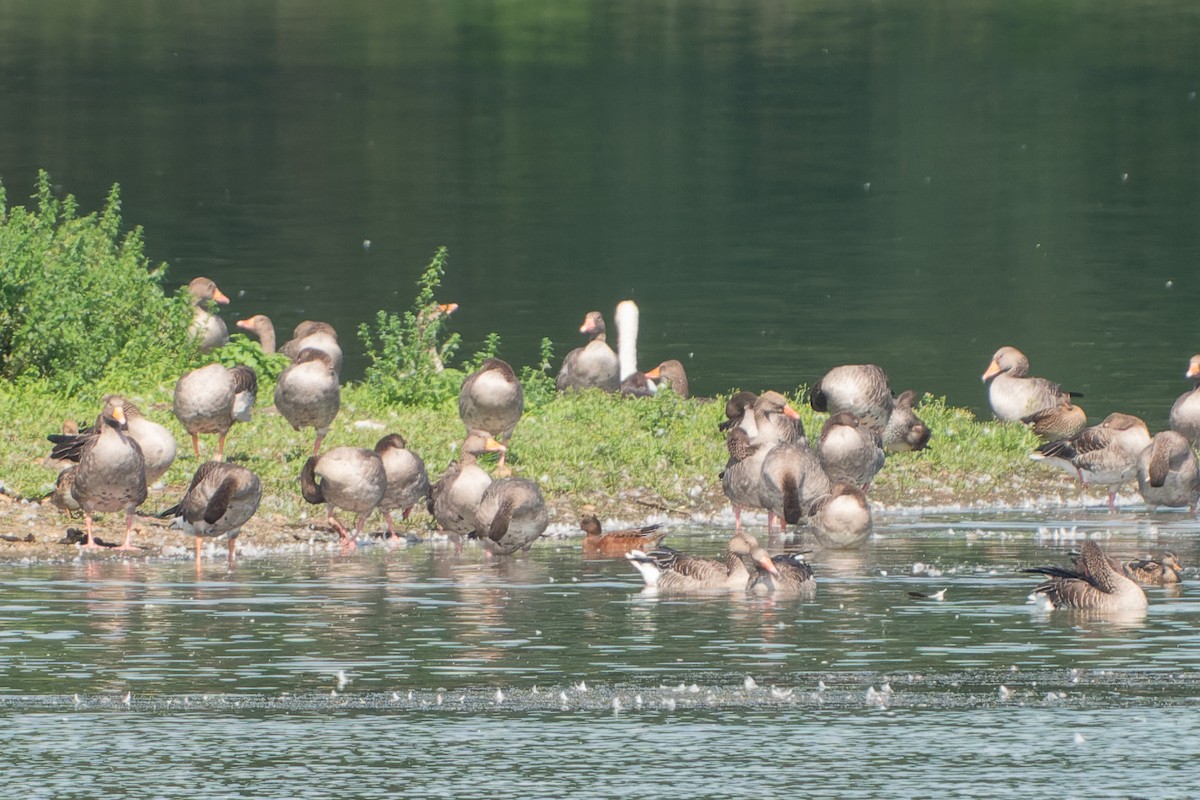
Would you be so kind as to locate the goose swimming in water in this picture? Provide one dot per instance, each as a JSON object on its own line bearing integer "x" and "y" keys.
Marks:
{"x": 1094, "y": 583}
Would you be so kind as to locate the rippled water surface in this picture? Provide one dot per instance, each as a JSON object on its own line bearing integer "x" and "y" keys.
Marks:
{"x": 562, "y": 673}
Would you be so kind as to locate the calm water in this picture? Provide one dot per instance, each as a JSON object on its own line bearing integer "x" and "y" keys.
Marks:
{"x": 414, "y": 660}
{"x": 784, "y": 186}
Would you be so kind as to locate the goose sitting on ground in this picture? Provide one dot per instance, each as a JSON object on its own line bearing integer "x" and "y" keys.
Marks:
{"x": 1105, "y": 454}
{"x": 314, "y": 335}
{"x": 1058, "y": 422}
{"x": 1012, "y": 393}
{"x": 1168, "y": 473}
{"x": 905, "y": 432}
{"x": 457, "y": 494}
{"x": 1092, "y": 584}
{"x": 156, "y": 442}
{"x": 1185, "y": 413}
{"x": 1149, "y": 571}
{"x": 352, "y": 478}
{"x": 207, "y": 328}
{"x": 407, "y": 480}
{"x": 669, "y": 570}
{"x": 111, "y": 475}
{"x": 210, "y": 399}
{"x": 491, "y": 399}
{"x": 841, "y": 518}
{"x": 220, "y": 500}
{"x": 511, "y": 514}
{"x": 861, "y": 389}
{"x": 593, "y": 366}
{"x": 850, "y": 451}
{"x": 618, "y": 543}
{"x": 308, "y": 393}
{"x": 670, "y": 373}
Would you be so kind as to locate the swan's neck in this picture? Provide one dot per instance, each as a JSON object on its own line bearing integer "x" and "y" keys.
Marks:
{"x": 627, "y": 333}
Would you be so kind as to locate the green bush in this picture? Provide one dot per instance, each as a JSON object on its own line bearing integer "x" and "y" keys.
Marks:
{"x": 79, "y": 301}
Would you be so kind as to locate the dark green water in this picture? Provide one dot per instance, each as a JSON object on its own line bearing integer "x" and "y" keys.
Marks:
{"x": 783, "y": 186}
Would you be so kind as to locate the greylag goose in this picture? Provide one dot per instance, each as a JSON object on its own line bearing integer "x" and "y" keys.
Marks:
{"x": 1185, "y": 413}
{"x": 207, "y": 328}
{"x": 750, "y": 442}
{"x": 593, "y": 366}
{"x": 618, "y": 543}
{"x": 220, "y": 500}
{"x": 1106, "y": 454}
{"x": 1059, "y": 422}
{"x": 669, "y": 570}
{"x": 63, "y": 496}
{"x": 210, "y": 399}
{"x": 670, "y": 373}
{"x": 156, "y": 442}
{"x": 492, "y": 400}
{"x": 308, "y": 393}
{"x": 1095, "y": 583}
{"x": 352, "y": 478}
{"x": 735, "y": 409}
{"x": 861, "y": 389}
{"x": 263, "y": 329}
{"x": 789, "y": 575}
{"x": 510, "y": 516}
{"x": 850, "y": 451}
{"x": 1165, "y": 571}
{"x": 314, "y": 335}
{"x": 841, "y": 518}
{"x": 1012, "y": 393}
{"x": 633, "y": 382}
{"x": 111, "y": 475}
{"x": 407, "y": 480}
{"x": 429, "y": 322}
{"x": 792, "y": 478}
{"x": 1168, "y": 473}
{"x": 905, "y": 432}
{"x": 459, "y": 491}
{"x": 741, "y": 479}
{"x": 774, "y": 421}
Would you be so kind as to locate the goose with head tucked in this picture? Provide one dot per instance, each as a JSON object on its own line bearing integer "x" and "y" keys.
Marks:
{"x": 308, "y": 393}
{"x": 219, "y": 501}
{"x": 905, "y": 432}
{"x": 1094, "y": 583}
{"x": 593, "y": 366}
{"x": 1059, "y": 422}
{"x": 407, "y": 480}
{"x": 491, "y": 399}
{"x": 352, "y": 478}
{"x": 841, "y": 518}
{"x": 668, "y": 570}
{"x": 314, "y": 335}
{"x": 850, "y": 451}
{"x": 210, "y": 399}
{"x": 510, "y": 516}
{"x": 1185, "y": 413}
{"x": 1105, "y": 454}
{"x": 207, "y": 328}
{"x": 1012, "y": 392}
{"x": 1168, "y": 473}
{"x": 861, "y": 389}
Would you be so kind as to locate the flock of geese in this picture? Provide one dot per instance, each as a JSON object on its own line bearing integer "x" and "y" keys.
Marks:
{"x": 772, "y": 465}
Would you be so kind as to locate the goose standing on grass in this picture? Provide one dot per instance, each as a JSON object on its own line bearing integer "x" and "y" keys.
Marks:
{"x": 1149, "y": 571}
{"x": 207, "y": 328}
{"x": 1094, "y": 583}
{"x": 1105, "y": 454}
{"x": 1012, "y": 393}
{"x": 669, "y": 570}
{"x": 670, "y": 373}
{"x": 262, "y": 328}
{"x": 352, "y": 478}
{"x": 210, "y": 399}
{"x": 593, "y": 366}
{"x": 850, "y": 451}
{"x": 841, "y": 518}
{"x": 407, "y": 480}
{"x": 1185, "y": 413}
{"x": 457, "y": 494}
{"x": 492, "y": 400}
{"x": 1059, "y": 422}
{"x": 861, "y": 389}
{"x": 905, "y": 431}
{"x": 111, "y": 475}
{"x": 156, "y": 442}
{"x": 618, "y": 543}
{"x": 1168, "y": 473}
{"x": 314, "y": 335}
{"x": 308, "y": 393}
{"x": 633, "y": 381}
{"x": 510, "y": 516}
{"x": 220, "y": 500}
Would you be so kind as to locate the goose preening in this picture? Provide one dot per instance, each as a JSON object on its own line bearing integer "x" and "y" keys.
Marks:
{"x": 407, "y": 480}
{"x": 756, "y": 476}
{"x": 735, "y": 409}
{"x": 789, "y": 575}
{"x": 457, "y": 494}
{"x": 210, "y": 399}
{"x": 510, "y": 516}
{"x": 1057, "y": 422}
{"x": 861, "y": 389}
{"x": 207, "y": 328}
{"x": 156, "y": 442}
{"x": 850, "y": 451}
{"x": 669, "y": 570}
{"x": 308, "y": 393}
{"x": 670, "y": 374}
{"x": 1168, "y": 473}
{"x": 219, "y": 501}
{"x": 1185, "y": 413}
{"x": 491, "y": 399}
{"x": 110, "y": 476}
{"x": 1012, "y": 393}
{"x": 841, "y": 518}
{"x": 617, "y": 543}
{"x": 314, "y": 335}
{"x": 1105, "y": 454}
{"x": 352, "y": 478}
{"x": 593, "y": 366}
{"x": 1094, "y": 583}
{"x": 905, "y": 432}
{"x": 1150, "y": 571}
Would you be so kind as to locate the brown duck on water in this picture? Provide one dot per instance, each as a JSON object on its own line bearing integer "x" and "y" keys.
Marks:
{"x": 618, "y": 543}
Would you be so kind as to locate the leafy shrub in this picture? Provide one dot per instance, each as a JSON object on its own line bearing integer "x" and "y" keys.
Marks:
{"x": 79, "y": 301}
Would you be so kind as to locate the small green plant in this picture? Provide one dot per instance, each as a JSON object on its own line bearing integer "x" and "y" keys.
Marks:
{"x": 537, "y": 382}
